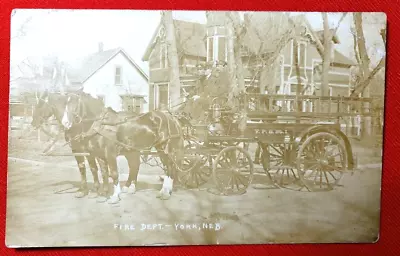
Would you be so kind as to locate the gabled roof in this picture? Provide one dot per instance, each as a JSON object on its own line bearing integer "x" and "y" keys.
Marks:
{"x": 88, "y": 66}
{"x": 191, "y": 36}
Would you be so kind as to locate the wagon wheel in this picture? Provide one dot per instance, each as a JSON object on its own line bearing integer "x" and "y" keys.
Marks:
{"x": 233, "y": 170}
{"x": 279, "y": 163}
{"x": 196, "y": 168}
{"x": 244, "y": 145}
{"x": 321, "y": 161}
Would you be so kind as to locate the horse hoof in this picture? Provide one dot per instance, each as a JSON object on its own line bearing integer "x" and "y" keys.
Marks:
{"x": 81, "y": 194}
{"x": 132, "y": 189}
{"x": 124, "y": 189}
{"x": 93, "y": 195}
{"x": 163, "y": 195}
{"x": 113, "y": 200}
{"x": 101, "y": 199}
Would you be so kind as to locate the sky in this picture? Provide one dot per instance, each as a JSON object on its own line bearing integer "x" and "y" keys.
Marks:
{"x": 74, "y": 34}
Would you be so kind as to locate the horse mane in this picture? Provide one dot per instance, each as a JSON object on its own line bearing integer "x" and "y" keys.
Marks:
{"x": 93, "y": 106}
{"x": 57, "y": 99}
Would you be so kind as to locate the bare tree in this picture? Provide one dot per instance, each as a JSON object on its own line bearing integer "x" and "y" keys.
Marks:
{"x": 21, "y": 30}
{"x": 325, "y": 49}
{"x": 239, "y": 31}
{"x": 362, "y": 57}
{"x": 273, "y": 38}
{"x": 365, "y": 73}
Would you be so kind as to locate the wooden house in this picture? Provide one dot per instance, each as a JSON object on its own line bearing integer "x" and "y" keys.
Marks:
{"x": 95, "y": 73}
{"x": 198, "y": 44}
{"x": 113, "y": 67}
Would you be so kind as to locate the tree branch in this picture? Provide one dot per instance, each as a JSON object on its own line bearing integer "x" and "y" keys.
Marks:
{"x": 22, "y": 29}
{"x": 362, "y": 85}
{"x": 362, "y": 49}
{"x": 321, "y": 46}
{"x": 356, "y": 53}
{"x": 338, "y": 25}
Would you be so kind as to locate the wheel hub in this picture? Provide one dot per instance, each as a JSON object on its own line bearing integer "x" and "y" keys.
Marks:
{"x": 323, "y": 161}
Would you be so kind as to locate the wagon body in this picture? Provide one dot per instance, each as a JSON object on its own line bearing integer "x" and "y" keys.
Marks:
{"x": 285, "y": 135}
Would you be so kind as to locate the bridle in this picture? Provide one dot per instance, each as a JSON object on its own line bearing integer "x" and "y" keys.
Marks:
{"x": 79, "y": 112}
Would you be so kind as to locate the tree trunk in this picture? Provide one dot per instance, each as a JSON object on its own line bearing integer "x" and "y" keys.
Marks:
{"x": 233, "y": 19}
{"x": 231, "y": 52}
{"x": 364, "y": 63}
{"x": 326, "y": 59}
{"x": 298, "y": 103}
{"x": 173, "y": 61}
{"x": 239, "y": 69}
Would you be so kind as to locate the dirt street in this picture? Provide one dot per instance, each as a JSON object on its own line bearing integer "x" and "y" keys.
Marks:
{"x": 37, "y": 216}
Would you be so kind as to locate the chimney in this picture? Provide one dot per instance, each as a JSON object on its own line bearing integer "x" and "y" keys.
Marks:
{"x": 101, "y": 46}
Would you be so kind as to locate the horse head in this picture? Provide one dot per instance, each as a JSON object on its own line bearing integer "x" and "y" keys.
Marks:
{"x": 80, "y": 107}
{"x": 47, "y": 105}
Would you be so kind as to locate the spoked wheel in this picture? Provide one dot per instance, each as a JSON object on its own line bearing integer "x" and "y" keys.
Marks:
{"x": 278, "y": 161}
{"x": 196, "y": 168}
{"x": 321, "y": 161}
{"x": 233, "y": 170}
{"x": 244, "y": 145}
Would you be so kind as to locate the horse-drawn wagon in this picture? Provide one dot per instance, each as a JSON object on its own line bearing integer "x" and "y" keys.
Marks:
{"x": 300, "y": 138}
{"x": 305, "y": 148}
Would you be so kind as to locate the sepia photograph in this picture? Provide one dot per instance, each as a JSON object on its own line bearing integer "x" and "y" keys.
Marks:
{"x": 173, "y": 127}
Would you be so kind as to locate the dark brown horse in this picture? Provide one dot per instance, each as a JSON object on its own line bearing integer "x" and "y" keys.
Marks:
{"x": 126, "y": 134}
{"x": 52, "y": 105}
{"x": 158, "y": 130}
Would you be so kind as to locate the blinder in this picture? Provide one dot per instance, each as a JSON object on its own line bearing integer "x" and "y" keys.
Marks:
{"x": 79, "y": 111}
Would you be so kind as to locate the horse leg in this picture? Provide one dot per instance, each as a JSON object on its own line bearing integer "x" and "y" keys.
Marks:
{"x": 170, "y": 160}
{"x": 104, "y": 173}
{"x": 166, "y": 189}
{"x": 177, "y": 149}
{"x": 83, "y": 191}
{"x": 134, "y": 164}
{"x": 112, "y": 164}
{"x": 93, "y": 168}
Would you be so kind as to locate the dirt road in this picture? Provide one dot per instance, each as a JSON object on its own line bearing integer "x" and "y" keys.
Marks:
{"x": 37, "y": 216}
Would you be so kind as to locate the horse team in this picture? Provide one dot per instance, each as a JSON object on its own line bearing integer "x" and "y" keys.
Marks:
{"x": 91, "y": 128}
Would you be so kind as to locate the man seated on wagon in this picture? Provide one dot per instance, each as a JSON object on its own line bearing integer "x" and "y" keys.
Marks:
{"x": 214, "y": 82}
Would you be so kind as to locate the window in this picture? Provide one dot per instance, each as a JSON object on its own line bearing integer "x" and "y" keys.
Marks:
{"x": 118, "y": 75}
{"x": 222, "y": 49}
{"x": 163, "y": 56}
{"x": 210, "y": 47}
{"x": 301, "y": 53}
{"x": 217, "y": 44}
{"x": 163, "y": 96}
